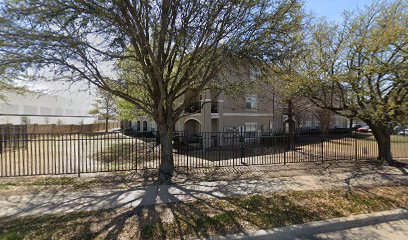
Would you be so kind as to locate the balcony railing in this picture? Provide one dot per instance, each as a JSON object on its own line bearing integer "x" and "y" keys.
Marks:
{"x": 193, "y": 108}
{"x": 196, "y": 107}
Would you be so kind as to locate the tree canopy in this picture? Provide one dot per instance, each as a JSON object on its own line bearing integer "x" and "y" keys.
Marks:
{"x": 8, "y": 85}
{"x": 359, "y": 68}
{"x": 178, "y": 46}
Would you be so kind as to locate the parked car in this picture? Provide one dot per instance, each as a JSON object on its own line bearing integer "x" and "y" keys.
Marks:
{"x": 399, "y": 129}
{"x": 356, "y": 126}
{"x": 364, "y": 129}
{"x": 403, "y": 132}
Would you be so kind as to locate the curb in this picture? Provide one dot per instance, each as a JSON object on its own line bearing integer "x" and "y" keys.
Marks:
{"x": 325, "y": 226}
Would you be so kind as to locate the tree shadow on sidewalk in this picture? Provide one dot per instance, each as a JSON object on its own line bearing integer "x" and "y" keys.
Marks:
{"x": 168, "y": 218}
{"x": 206, "y": 213}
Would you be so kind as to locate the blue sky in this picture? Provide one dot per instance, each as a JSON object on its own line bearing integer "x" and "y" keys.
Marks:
{"x": 332, "y": 9}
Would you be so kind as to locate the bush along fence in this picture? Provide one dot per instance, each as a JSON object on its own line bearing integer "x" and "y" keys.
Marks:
{"x": 75, "y": 153}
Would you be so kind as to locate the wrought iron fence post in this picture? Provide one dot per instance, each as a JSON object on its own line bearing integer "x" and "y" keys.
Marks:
{"x": 242, "y": 148}
{"x": 233, "y": 147}
{"x": 1, "y": 142}
{"x": 186, "y": 144}
{"x": 355, "y": 146}
{"x": 322, "y": 138}
{"x": 286, "y": 142}
{"x": 79, "y": 155}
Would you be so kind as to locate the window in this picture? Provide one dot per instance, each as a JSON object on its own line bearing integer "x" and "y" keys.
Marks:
{"x": 45, "y": 110}
{"x": 58, "y": 111}
{"x": 317, "y": 124}
{"x": 138, "y": 126}
{"x": 250, "y": 102}
{"x": 29, "y": 110}
{"x": 152, "y": 126}
{"x": 144, "y": 126}
{"x": 10, "y": 108}
{"x": 69, "y": 112}
{"x": 250, "y": 127}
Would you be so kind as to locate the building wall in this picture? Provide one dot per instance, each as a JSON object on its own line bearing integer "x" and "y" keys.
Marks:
{"x": 247, "y": 122}
{"x": 44, "y": 109}
{"x": 232, "y": 108}
{"x": 268, "y": 115}
{"x": 151, "y": 126}
{"x": 311, "y": 122}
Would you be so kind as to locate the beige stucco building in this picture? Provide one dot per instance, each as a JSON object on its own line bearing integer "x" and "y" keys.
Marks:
{"x": 253, "y": 109}
{"x": 250, "y": 108}
{"x": 217, "y": 112}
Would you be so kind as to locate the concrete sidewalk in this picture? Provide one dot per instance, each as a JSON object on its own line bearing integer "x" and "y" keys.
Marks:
{"x": 385, "y": 225}
{"x": 60, "y": 202}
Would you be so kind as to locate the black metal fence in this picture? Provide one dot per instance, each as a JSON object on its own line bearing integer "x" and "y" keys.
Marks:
{"x": 12, "y": 136}
{"x": 7, "y": 129}
{"x": 53, "y": 154}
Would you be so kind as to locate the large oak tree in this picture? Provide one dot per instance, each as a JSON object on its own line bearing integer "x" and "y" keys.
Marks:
{"x": 178, "y": 46}
{"x": 359, "y": 68}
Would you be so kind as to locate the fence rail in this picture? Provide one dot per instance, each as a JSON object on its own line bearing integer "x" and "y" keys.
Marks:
{"x": 76, "y": 153}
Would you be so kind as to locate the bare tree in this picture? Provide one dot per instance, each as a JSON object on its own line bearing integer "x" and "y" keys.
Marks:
{"x": 286, "y": 76}
{"x": 325, "y": 118}
{"x": 301, "y": 109}
{"x": 105, "y": 107}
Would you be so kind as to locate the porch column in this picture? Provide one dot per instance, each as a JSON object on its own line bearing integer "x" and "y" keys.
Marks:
{"x": 221, "y": 121}
{"x": 206, "y": 123}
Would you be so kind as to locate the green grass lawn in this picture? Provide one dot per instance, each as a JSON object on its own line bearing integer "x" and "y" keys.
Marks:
{"x": 205, "y": 218}
{"x": 4, "y": 186}
{"x": 118, "y": 180}
{"x": 399, "y": 145}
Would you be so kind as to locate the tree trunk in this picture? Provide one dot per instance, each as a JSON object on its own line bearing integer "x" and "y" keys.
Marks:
{"x": 166, "y": 169}
{"x": 106, "y": 124}
{"x": 291, "y": 123}
{"x": 383, "y": 136}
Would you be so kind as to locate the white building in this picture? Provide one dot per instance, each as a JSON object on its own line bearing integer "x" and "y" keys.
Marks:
{"x": 40, "y": 108}
{"x": 142, "y": 124}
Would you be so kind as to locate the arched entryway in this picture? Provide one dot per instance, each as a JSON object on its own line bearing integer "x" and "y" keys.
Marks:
{"x": 192, "y": 136}
{"x": 192, "y": 127}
